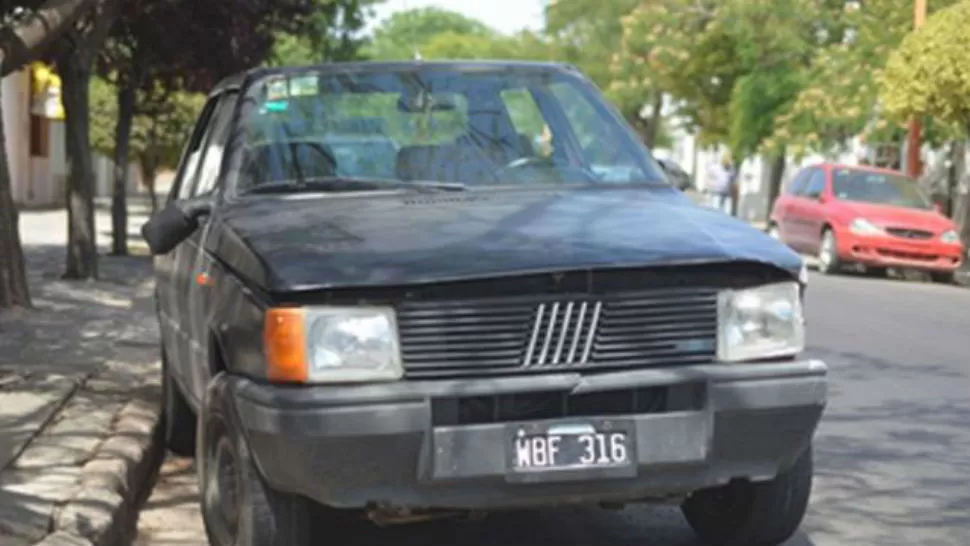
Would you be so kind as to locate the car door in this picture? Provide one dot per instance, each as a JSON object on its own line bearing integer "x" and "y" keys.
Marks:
{"x": 782, "y": 215}
{"x": 168, "y": 275}
{"x": 812, "y": 211}
{"x": 194, "y": 261}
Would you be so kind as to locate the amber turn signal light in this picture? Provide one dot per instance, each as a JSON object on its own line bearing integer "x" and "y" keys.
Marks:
{"x": 284, "y": 341}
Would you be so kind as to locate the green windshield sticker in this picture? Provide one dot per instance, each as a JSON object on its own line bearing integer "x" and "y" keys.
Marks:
{"x": 276, "y": 106}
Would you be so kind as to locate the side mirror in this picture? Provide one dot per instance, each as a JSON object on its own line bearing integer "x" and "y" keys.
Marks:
{"x": 174, "y": 223}
{"x": 938, "y": 208}
{"x": 822, "y": 198}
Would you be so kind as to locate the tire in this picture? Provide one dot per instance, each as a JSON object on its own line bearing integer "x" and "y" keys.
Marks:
{"x": 877, "y": 272}
{"x": 944, "y": 278}
{"x": 828, "y": 254}
{"x": 753, "y": 514}
{"x": 179, "y": 419}
{"x": 238, "y": 507}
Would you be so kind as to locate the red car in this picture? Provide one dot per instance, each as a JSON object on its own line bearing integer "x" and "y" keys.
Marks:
{"x": 865, "y": 216}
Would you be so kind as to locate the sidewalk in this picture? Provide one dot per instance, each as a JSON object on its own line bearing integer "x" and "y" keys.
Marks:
{"x": 79, "y": 392}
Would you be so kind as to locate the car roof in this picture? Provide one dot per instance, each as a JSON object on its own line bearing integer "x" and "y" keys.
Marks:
{"x": 241, "y": 79}
{"x": 867, "y": 168}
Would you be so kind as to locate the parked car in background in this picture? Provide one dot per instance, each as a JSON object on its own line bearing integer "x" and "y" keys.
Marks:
{"x": 865, "y": 216}
{"x": 677, "y": 175}
{"x": 480, "y": 327}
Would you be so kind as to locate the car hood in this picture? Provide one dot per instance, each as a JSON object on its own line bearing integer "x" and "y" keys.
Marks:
{"x": 304, "y": 242}
{"x": 902, "y": 217}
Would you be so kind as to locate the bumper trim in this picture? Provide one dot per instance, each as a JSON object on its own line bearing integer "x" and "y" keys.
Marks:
{"x": 353, "y": 445}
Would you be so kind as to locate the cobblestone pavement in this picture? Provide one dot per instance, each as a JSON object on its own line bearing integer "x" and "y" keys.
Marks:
{"x": 78, "y": 390}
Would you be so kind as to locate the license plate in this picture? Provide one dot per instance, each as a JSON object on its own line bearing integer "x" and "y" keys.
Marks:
{"x": 605, "y": 446}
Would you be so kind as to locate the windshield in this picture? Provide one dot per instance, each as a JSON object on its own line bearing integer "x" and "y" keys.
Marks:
{"x": 878, "y": 188}
{"x": 479, "y": 127}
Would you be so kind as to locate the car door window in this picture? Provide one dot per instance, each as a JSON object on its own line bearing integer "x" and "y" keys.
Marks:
{"x": 815, "y": 186}
{"x": 182, "y": 187}
{"x": 798, "y": 184}
{"x": 214, "y": 146}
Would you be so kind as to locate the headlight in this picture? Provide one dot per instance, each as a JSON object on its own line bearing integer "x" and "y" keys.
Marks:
{"x": 762, "y": 322}
{"x": 950, "y": 237}
{"x": 332, "y": 345}
{"x": 861, "y": 226}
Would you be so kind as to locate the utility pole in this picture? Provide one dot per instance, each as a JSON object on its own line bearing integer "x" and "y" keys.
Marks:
{"x": 913, "y": 138}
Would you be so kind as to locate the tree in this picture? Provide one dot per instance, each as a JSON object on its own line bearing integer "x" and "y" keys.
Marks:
{"x": 29, "y": 29}
{"x": 159, "y": 127}
{"x": 929, "y": 75}
{"x": 152, "y": 55}
{"x": 329, "y": 32}
{"x": 404, "y": 32}
{"x": 840, "y": 97}
{"x": 684, "y": 49}
{"x": 75, "y": 62}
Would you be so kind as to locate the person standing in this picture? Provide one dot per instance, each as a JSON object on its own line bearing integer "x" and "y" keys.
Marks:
{"x": 720, "y": 182}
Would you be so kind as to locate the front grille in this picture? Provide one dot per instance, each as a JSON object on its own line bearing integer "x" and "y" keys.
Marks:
{"x": 910, "y": 233}
{"x": 536, "y": 334}
{"x": 533, "y": 406}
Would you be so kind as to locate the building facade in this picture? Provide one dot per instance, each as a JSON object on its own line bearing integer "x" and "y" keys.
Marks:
{"x": 33, "y": 120}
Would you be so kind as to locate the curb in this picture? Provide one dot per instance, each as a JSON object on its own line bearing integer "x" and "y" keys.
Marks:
{"x": 116, "y": 481}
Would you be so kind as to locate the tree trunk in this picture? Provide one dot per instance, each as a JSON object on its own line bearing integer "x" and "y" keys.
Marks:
{"x": 149, "y": 171}
{"x": 953, "y": 175}
{"x": 775, "y": 178}
{"x": 13, "y": 276}
{"x": 82, "y": 250}
{"x": 119, "y": 204}
{"x": 653, "y": 124}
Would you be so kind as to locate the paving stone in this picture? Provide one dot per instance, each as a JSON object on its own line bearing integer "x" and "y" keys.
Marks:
{"x": 26, "y": 409}
{"x": 90, "y": 514}
{"x": 75, "y": 436}
{"x": 61, "y": 538}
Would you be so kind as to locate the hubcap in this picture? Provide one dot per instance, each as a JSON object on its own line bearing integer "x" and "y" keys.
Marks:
{"x": 828, "y": 248}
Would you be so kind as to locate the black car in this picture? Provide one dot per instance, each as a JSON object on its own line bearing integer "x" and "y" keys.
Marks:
{"x": 492, "y": 325}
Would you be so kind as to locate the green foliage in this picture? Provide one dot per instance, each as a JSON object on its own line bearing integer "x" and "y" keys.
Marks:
{"x": 840, "y": 98}
{"x": 684, "y": 49}
{"x": 588, "y": 33}
{"x": 331, "y": 32}
{"x": 404, "y": 31}
{"x": 160, "y": 127}
{"x": 929, "y": 75}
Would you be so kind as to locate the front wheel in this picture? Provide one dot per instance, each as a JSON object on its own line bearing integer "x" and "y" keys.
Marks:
{"x": 828, "y": 254}
{"x": 944, "y": 278}
{"x": 752, "y": 514}
{"x": 238, "y": 507}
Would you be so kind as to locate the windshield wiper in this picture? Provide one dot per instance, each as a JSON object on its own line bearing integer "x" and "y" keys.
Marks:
{"x": 338, "y": 184}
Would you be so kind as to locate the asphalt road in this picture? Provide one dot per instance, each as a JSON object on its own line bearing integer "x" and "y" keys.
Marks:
{"x": 892, "y": 454}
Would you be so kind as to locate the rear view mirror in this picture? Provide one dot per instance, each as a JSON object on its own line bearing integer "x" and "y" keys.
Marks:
{"x": 173, "y": 224}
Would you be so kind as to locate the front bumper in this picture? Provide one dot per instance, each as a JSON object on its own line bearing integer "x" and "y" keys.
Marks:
{"x": 891, "y": 251}
{"x": 354, "y": 446}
